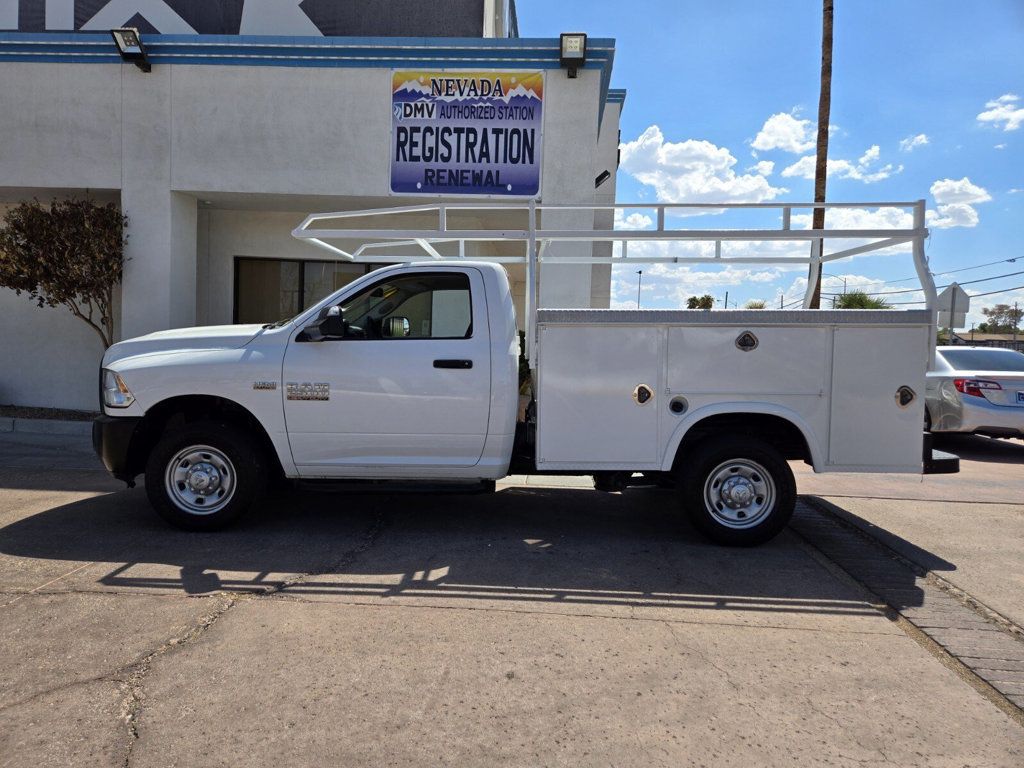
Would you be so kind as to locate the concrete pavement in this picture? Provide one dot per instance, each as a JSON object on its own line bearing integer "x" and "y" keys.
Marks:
{"x": 535, "y": 626}
{"x": 967, "y": 528}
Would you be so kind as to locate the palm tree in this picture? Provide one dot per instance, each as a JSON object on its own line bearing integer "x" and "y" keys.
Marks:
{"x": 859, "y": 300}
{"x": 824, "y": 110}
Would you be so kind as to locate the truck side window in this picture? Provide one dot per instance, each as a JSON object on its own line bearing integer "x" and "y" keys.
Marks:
{"x": 422, "y": 305}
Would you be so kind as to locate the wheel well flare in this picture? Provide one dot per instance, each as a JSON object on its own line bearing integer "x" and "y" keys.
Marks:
{"x": 782, "y": 434}
{"x": 185, "y": 409}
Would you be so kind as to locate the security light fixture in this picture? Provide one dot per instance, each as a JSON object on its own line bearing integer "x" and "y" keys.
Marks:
{"x": 573, "y": 51}
{"x": 129, "y": 45}
{"x": 601, "y": 178}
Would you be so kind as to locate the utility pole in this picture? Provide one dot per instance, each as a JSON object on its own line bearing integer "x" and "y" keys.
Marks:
{"x": 639, "y": 280}
{"x": 1016, "y": 322}
{"x": 726, "y": 299}
{"x": 781, "y": 297}
{"x": 821, "y": 152}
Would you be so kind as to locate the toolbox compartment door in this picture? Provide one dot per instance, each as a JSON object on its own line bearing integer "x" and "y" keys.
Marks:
{"x": 872, "y": 427}
{"x": 588, "y": 415}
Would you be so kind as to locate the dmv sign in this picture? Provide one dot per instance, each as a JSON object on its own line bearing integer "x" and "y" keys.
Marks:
{"x": 475, "y": 133}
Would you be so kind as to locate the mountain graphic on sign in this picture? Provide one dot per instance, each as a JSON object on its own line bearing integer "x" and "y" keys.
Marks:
{"x": 519, "y": 92}
{"x": 413, "y": 90}
{"x": 413, "y": 86}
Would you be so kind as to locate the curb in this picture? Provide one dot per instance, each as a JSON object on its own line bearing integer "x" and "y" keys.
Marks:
{"x": 45, "y": 426}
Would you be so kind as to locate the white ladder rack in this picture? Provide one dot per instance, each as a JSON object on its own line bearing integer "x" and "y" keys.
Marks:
{"x": 537, "y": 239}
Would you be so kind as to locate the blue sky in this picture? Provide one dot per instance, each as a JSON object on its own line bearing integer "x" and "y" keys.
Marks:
{"x": 712, "y": 84}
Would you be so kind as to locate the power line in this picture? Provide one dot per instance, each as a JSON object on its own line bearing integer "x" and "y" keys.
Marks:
{"x": 954, "y": 271}
{"x": 914, "y": 290}
{"x": 971, "y": 295}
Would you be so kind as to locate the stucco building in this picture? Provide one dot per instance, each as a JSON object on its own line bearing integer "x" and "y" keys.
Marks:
{"x": 252, "y": 116}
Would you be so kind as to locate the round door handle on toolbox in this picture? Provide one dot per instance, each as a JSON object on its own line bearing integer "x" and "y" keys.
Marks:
{"x": 642, "y": 394}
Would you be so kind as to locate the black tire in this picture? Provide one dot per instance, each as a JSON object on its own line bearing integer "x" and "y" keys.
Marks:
{"x": 762, "y": 474}
{"x": 236, "y": 472}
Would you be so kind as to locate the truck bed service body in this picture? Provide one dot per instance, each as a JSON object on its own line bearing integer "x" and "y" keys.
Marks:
{"x": 412, "y": 373}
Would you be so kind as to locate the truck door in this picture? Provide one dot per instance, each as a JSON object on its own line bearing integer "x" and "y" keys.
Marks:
{"x": 407, "y": 386}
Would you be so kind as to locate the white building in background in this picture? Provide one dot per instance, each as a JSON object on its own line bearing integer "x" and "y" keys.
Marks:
{"x": 219, "y": 151}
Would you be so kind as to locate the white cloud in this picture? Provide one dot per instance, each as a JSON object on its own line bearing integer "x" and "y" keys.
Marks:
{"x": 1015, "y": 191}
{"x": 870, "y": 155}
{"x": 691, "y": 171}
{"x": 634, "y": 220}
{"x": 1000, "y": 146}
{"x": 959, "y": 191}
{"x": 1003, "y": 112}
{"x": 911, "y": 142}
{"x": 954, "y": 199}
{"x": 801, "y": 169}
{"x": 669, "y": 285}
{"x": 844, "y": 169}
{"x": 954, "y": 203}
{"x": 763, "y": 168}
{"x": 786, "y": 132}
{"x": 953, "y": 215}
{"x": 860, "y": 218}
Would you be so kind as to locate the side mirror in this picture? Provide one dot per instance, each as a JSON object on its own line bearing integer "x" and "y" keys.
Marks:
{"x": 395, "y": 327}
{"x": 330, "y": 324}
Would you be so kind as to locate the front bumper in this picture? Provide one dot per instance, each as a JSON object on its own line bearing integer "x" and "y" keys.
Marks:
{"x": 112, "y": 439}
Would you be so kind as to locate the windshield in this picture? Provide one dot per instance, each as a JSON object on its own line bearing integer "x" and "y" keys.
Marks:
{"x": 984, "y": 359}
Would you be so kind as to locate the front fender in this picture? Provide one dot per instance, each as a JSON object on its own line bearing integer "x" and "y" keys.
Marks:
{"x": 717, "y": 409}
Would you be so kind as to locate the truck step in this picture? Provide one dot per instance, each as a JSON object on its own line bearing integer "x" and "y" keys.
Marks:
{"x": 397, "y": 487}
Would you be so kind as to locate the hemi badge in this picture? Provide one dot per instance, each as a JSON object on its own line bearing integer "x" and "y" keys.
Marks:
{"x": 264, "y": 385}
{"x": 319, "y": 390}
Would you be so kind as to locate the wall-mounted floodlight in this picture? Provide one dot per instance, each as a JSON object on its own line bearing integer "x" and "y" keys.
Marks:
{"x": 129, "y": 45}
{"x": 601, "y": 178}
{"x": 573, "y": 51}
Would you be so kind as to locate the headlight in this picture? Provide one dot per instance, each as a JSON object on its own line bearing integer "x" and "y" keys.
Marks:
{"x": 115, "y": 393}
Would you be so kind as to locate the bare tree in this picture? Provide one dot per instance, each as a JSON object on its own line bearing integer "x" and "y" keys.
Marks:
{"x": 821, "y": 159}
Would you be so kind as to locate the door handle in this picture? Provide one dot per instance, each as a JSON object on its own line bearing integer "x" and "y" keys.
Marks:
{"x": 453, "y": 363}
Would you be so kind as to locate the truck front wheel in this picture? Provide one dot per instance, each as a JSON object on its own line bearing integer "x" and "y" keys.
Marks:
{"x": 738, "y": 491}
{"x": 203, "y": 476}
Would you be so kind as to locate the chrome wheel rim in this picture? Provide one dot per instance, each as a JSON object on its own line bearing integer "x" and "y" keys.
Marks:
{"x": 739, "y": 493}
{"x": 200, "y": 480}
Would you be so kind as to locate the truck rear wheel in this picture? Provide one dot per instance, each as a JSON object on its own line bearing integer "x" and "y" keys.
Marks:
{"x": 738, "y": 491}
{"x": 203, "y": 476}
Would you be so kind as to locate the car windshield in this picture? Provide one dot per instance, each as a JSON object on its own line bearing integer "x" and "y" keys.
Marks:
{"x": 984, "y": 359}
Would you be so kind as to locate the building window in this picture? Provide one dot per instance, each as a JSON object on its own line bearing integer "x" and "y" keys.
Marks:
{"x": 267, "y": 290}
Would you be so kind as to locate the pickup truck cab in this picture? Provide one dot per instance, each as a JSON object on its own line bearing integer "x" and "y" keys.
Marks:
{"x": 411, "y": 373}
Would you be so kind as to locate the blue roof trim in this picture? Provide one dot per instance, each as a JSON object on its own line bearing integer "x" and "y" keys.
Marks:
{"x": 253, "y": 50}
{"x": 278, "y": 51}
{"x": 616, "y": 96}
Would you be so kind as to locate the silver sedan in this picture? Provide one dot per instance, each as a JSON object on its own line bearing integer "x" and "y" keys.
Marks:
{"x": 978, "y": 390}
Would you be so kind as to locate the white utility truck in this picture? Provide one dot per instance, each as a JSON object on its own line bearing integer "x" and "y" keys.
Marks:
{"x": 411, "y": 373}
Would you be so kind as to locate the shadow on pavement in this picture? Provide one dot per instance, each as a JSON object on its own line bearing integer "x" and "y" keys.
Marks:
{"x": 979, "y": 448}
{"x": 929, "y": 561}
{"x": 58, "y": 479}
{"x": 553, "y": 546}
